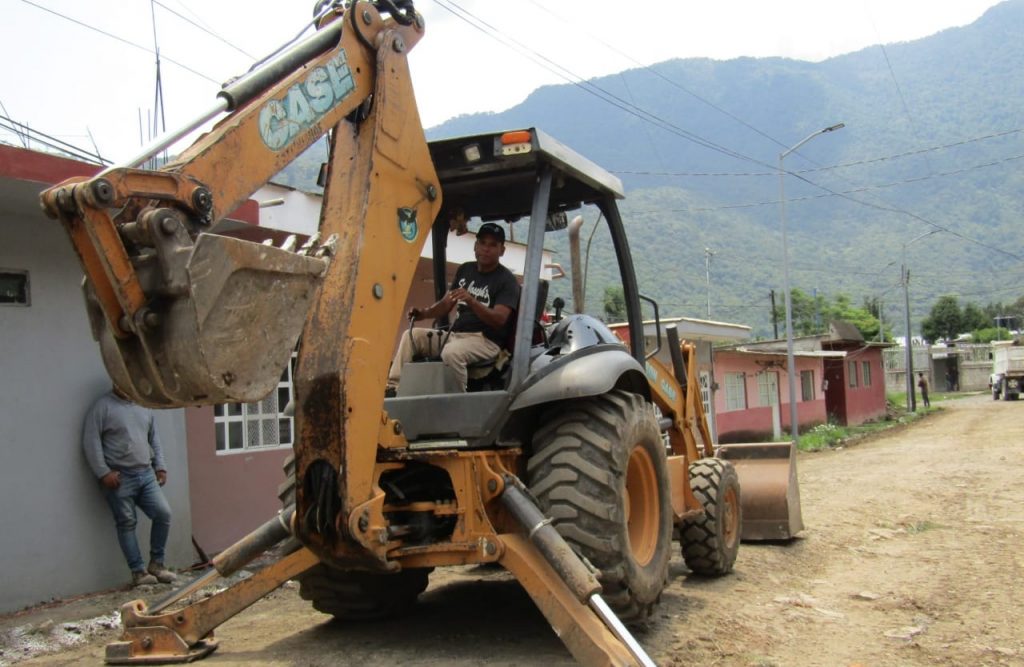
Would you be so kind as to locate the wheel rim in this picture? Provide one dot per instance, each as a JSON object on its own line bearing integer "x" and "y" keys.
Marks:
{"x": 730, "y": 520}
{"x": 641, "y": 505}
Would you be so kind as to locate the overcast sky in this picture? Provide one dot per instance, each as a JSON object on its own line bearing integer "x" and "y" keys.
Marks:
{"x": 66, "y": 79}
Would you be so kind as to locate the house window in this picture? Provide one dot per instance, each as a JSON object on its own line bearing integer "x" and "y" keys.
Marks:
{"x": 768, "y": 388}
{"x": 806, "y": 385}
{"x": 865, "y": 373}
{"x": 705, "y": 391}
{"x": 851, "y": 371}
{"x": 14, "y": 288}
{"x": 735, "y": 391}
{"x": 260, "y": 425}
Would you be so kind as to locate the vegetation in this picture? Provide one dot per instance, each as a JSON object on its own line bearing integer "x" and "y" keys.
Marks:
{"x": 614, "y": 304}
{"x": 827, "y": 436}
{"x": 714, "y": 185}
{"x": 811, "y": 314}
{"x": 947, "y": 320}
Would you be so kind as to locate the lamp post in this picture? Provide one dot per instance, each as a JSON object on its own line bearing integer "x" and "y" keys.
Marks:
{"x": 790, "y": 364}
{"x": 909, "y": 351}
{"x": 708, "y": 254}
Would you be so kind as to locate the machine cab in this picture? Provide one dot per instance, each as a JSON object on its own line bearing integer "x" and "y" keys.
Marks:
{"x": 532, "y": 184}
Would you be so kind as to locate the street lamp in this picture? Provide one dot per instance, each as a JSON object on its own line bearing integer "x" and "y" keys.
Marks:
{"x": 790, "y": 364}
{"x": 708, "y": 253}
{"x": 909, "y": 353}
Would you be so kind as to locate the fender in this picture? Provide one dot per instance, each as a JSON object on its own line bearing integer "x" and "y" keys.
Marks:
{"x": 590, "y": 371}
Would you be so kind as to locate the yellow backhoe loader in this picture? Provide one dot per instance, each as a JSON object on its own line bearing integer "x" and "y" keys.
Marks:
{"x": 554, "y": 467}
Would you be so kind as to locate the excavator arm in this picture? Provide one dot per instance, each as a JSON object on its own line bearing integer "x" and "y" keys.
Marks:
{"x": 185, "y": 317}
{"x": 189, "y": 317}
{"x": 178, "y": 311}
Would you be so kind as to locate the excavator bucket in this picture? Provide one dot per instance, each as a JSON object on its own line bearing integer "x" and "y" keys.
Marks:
{"x": 232, "y": 316}
{"x": 769, "y": 492}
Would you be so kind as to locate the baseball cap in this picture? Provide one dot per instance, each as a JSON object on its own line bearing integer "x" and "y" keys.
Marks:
{"x": 493, "y": 229}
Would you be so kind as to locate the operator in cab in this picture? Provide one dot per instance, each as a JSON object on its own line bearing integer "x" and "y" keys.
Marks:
{"x": 485, "y": 295}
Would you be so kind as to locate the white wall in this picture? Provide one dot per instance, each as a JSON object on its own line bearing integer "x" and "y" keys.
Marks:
{"x": 58, "y": 534}
{"x": 299, "y": 213}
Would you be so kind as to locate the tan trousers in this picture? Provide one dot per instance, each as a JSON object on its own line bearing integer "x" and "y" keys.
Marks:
{"x": 460, "y": 350}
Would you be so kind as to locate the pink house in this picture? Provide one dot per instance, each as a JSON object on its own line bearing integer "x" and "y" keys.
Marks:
{"x": 752, "y": 401}
{"x": 840, "y": 380}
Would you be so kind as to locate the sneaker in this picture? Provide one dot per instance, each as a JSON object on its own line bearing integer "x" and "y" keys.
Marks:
{"x": 142, "y": 578}
{"x": 161, "y": 573}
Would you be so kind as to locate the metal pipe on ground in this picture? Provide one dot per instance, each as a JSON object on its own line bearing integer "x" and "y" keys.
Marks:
{"x": 235, "y": 557}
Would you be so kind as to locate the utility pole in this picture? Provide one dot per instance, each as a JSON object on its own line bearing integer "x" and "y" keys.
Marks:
{"x": 909, "y": 358}
{"x": 708, "y": 254}
{"x": 817, "y": 310}
{"x": 790, "y": 361}
{"x": 905, "y": 279}
{"x": 775, "y": 317}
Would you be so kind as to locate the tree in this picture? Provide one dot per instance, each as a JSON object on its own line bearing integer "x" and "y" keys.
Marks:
{"x": 989, "y": 334}
{"x": 811, "y": 314}
{"x": 944, "y": 322}
{"x": 974, "y": 318}
{"x": 614, "y": 303}
{"x": 862, "y": 318}
{"x": 808, "y": 312}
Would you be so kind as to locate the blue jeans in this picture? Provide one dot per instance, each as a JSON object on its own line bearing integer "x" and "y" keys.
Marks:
{"x": 140, "y": 488}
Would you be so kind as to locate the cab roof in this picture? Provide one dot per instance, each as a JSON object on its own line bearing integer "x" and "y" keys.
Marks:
{"x": 493, "y": 176}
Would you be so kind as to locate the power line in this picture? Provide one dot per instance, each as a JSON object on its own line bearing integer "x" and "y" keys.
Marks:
{"x": 119, "y": 39}
{"x": 576, "y": 80}
{"x": 588, "y": 86}
{"x": 841, "y": 165}
{"x": 206, "y": 30}
{"x": 664, "y": 78}
{"x": 864, "y": 188}
{"x": 749, "y": 126}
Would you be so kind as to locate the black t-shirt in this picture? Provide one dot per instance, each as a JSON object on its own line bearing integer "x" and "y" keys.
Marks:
{"x": 494, "y": 288}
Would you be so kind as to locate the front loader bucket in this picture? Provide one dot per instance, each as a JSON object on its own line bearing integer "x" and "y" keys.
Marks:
{"x": 769, "y": 492}
{"x": 221, "y": 330}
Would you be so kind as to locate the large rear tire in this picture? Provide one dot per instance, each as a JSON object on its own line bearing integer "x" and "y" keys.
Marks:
{"x": 598, "y": 470}
{"x": 353, "y": 595}
{"x": 711, "y": 541}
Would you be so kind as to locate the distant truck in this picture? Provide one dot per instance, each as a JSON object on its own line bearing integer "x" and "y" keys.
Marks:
{"x": 1007, "y": 378}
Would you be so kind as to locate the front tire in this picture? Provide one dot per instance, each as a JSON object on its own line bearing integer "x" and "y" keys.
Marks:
{"x": 599, "y": 471}
{"x": 711, "y": 541}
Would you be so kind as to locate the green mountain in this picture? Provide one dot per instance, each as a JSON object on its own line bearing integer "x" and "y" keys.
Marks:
{"x": 934, "y": 140}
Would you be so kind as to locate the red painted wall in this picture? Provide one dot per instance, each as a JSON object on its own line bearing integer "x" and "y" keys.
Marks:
{"x": 862, "y": 403}
{"x": 28, "y": 165}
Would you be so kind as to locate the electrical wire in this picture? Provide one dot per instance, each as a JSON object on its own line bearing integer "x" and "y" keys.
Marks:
{"x": 841, "y": 165}
{"x": 588, "y": 86}
{"x": 205, "y": 30}
{"x": 119, "y": 39}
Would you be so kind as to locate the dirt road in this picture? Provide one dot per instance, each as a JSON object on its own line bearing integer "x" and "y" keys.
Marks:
{"x": 913, "y": 555}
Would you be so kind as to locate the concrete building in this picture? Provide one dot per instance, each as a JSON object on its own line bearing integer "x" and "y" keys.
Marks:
{"x": 59, "y": 537}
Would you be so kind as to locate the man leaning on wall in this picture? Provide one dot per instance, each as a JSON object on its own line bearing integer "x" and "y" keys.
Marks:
{"x": 122, "y": 447}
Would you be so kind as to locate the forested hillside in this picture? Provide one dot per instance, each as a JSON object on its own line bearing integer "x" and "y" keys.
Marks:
{"x": 934, "y": 140}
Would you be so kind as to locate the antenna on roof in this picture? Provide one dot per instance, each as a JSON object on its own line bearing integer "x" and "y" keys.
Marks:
{"x": 159, "y": 120}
